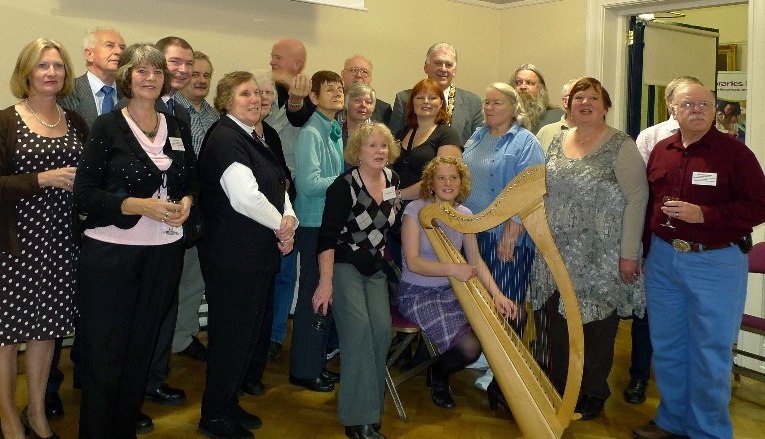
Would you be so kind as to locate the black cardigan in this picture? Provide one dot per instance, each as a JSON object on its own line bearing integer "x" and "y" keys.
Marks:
{"x": 15, "y": 187}
{"x": 114, "y": 166}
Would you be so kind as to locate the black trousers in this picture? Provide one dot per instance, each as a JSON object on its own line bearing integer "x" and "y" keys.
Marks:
{"x": 237, "y": 304}
{"x": 308, "y": 351}
{"x": 599, "y": 339}
{"x": 260, "y": 357}
{"x": 124, "y": 292}
{"x": 159, "y": 368}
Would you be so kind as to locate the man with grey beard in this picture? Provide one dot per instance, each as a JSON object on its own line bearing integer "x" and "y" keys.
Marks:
{"x": 531, "y": 87}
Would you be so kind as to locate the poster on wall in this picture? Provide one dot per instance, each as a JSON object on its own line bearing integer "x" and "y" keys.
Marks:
{"x": 350, "y": 4}
{"x": 730, "y": 109}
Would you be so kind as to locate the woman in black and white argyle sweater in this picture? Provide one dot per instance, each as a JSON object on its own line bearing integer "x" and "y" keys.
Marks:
{"x": 360, "y": 207}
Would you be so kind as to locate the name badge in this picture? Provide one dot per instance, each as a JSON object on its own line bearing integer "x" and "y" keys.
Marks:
{"x": 704, "y": 178}
{"x": 177, "y": 144}
{"x": 389, "y": 193}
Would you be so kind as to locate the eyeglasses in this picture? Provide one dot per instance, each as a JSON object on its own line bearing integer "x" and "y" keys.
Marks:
{"x": 359, "y": 71}
{"x": 267, "y": 93}
{"x": 688, "y": 105}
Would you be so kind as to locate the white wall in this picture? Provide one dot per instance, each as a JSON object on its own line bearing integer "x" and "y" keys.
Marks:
{"x": 238, "y": 34}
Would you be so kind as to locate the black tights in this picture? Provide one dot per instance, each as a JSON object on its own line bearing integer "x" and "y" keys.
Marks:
{"x": 464, "y": 351}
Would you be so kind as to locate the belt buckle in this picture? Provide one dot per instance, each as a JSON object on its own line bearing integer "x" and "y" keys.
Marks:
{"x": 681, "y": 246}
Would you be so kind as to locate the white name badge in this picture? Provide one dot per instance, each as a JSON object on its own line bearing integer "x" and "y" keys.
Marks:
{"x": 177, "y": 144}
{"x": 704, "y": 178}
{"x": 389, "y": 193}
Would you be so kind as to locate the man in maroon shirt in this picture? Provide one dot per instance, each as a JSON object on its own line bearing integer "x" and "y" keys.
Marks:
{"x": 707, "y": 191}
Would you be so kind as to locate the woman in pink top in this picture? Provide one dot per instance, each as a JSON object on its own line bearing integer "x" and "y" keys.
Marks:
{"x": 136, "y": 181}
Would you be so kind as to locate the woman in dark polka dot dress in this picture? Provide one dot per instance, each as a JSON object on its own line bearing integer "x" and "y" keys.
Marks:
{"x": 40, "y": 144}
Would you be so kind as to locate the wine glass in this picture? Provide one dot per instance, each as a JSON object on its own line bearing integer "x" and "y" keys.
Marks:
{"x": 170, "y": 229}
{"x": 668, "y": 223}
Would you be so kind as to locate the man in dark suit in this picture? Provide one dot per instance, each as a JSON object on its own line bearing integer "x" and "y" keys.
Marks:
{"x": 464, "y": 107}
{"x": 179, "y": 57}
{"x": 95, "y": 93}
{"x": 359, "y": 69}
{"x": 102, "y": 49}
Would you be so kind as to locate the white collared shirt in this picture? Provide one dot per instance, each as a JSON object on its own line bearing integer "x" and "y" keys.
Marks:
{"x": 98, "y": 95}
{"x": 241, "y": 188}
{"x": 649, "y": 137}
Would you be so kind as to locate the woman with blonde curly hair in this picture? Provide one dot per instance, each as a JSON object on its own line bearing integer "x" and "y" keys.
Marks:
{"x": 425, "y": 295}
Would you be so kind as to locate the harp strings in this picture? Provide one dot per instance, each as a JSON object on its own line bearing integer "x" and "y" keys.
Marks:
{"x": 508, "y": 335}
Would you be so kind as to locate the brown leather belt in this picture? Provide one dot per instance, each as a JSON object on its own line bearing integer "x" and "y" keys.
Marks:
{"x": 695, "y": 247}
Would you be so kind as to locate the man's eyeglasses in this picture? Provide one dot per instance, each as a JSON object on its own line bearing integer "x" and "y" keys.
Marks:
{"x": 688, "y": 105}
{"x": 267, "y": 93}
{"x": 359, "y": 71}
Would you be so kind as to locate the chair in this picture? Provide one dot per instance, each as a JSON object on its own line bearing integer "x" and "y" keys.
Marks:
{"x": 404, "y": 326}
{"x": 750, "y": 323}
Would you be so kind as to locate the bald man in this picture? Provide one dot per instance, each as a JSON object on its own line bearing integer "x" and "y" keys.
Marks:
{"x": 696, "y": 268}
{"x": 359, "y": 69}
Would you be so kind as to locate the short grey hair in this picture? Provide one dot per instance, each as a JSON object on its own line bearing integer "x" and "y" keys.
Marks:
{"x": 262, "y": 76}
{"x": 519, "y": 113}
{"x": 669, "y": 92}
{"x": 89, "y": 39}
{"x": 564, "y": 91}
{"x": 358, "y": 55}
{"x": 441, "y": 46}
{"x": 358, "y": 89}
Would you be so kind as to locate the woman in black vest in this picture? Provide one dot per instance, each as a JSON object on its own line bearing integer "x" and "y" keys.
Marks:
{"x": 249, "y": 223}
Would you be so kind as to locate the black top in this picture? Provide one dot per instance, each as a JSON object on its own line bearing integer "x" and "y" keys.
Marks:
{"x": 354, "y": 224}
{"x": 113, "y": 166}
{"x": 231, "y": 239}
{"x": 296, "y": 118}
{"x": 412, "y": 161}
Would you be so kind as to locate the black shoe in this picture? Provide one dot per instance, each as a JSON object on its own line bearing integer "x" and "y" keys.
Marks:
{"x": 54, "y": 408}
{"x": 329, "y": 376}
{"x": 494, "y": 393}
{"x": 247, "y": 420}
{"x": 634, "y": 393}
{"x": 366, "y": 431}
{"x": 589, "y": 407}
{"x": 226, "y": 427}
{"x": 255, "y": 389}
{"x": 29, "y": 431}
{"x": 143, "y": 424}
{"x": 195, "y": 350}
{"x": 274, "y": 351}
{"x": 317, "y": 384}
{"x": 166, "y": 395}
{"x": 439, "y": 390}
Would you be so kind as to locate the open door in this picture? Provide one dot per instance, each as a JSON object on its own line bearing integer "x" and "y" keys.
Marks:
{"x": 658, "y": 52}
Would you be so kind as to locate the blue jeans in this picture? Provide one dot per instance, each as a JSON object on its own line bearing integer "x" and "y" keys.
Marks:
{"x": 695, "y": 304}
{"x": 284, "y": 293}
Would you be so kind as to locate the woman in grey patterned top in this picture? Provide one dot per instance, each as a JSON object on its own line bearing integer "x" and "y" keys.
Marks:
{"x": 596, "y": 197}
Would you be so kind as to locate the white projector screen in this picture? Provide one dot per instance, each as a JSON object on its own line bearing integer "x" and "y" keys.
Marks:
{"x": 349, "y": 4}
{"x": 671, "y": 51}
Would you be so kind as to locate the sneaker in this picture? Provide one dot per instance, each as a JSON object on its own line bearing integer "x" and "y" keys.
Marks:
{"x": 484, "y": 381}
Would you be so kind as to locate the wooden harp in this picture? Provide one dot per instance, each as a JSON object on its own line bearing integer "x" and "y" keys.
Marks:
{"x": 537, "y": 407}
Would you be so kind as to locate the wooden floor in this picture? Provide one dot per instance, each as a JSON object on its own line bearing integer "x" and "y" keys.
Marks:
{"x": 289, "y": 412}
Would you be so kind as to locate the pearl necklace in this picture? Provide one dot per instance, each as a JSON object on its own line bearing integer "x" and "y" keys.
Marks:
{"x": 40, "y": 120}
{"x": 150, "y": 133}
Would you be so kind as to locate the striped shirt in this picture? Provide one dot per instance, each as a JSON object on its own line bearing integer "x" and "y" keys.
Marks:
{"x": 200, "y": 120}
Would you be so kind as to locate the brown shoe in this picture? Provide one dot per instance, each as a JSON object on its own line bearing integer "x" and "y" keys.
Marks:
{"x": 653, "y": 431}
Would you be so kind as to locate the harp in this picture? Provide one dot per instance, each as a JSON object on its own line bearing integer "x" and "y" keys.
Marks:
{"x": 537, "y": 407}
